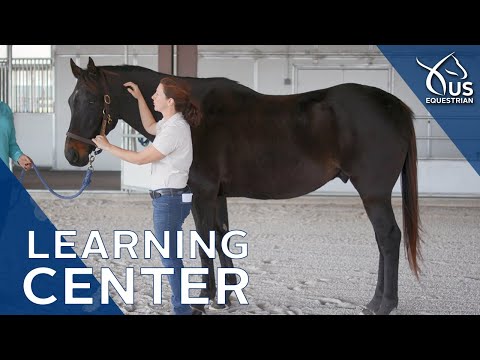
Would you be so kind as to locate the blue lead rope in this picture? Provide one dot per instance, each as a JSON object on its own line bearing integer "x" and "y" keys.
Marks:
{"x": 85, "y": 183}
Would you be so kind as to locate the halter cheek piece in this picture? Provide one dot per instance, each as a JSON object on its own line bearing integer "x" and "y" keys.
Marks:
{"x": 107, "y": 119}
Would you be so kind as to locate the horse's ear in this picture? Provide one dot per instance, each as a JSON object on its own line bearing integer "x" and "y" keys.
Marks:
{"x": 92, "y": 69}
{"x": 76, "y": 70}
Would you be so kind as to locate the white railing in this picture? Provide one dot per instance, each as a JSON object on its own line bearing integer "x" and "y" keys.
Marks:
{"x": 32, "y": 85}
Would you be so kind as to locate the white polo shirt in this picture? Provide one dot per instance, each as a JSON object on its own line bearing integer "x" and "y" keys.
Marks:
{"x": 174, "y": 140}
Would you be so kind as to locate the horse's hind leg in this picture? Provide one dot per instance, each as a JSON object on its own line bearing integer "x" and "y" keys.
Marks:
{"x": 222, "y": 228}
{"x": 375, "y": 303}
{"x": 387, "y": 233}
{"x": 204, "y": 212}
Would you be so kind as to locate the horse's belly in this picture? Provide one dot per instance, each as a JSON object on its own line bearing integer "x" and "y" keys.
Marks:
{"x": 278, "y": 183}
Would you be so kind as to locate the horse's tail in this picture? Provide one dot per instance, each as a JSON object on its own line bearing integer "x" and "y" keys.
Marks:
{"x": 411, "y": 216}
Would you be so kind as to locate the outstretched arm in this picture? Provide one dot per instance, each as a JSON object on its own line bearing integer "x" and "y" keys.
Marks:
{"x": 148, "y": 121}
{"x": 146, "y": 156}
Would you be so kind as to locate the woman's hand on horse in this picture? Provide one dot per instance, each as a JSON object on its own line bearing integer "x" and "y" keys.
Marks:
{"x": 133, "y": 89}
{"x": 101, "y": 142}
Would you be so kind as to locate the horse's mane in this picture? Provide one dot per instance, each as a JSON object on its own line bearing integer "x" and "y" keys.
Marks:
{"x": 217, "y": 81}
{"x": 127, "y": 68}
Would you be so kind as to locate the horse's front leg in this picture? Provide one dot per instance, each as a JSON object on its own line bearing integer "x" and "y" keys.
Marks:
{"x": 204, "y": 212}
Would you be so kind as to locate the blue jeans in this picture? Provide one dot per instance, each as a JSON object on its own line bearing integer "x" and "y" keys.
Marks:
{"x": 169, "y": 213}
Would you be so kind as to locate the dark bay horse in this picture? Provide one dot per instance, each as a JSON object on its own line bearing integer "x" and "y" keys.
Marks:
{"x": 273, "y": 147}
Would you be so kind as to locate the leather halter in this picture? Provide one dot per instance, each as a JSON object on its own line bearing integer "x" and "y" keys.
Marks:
{"x": 107, "y": 119}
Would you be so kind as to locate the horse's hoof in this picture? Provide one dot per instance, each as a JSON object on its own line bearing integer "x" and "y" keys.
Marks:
{"x": 197, "y": 312}
{"x": 366, "y": 311}
{"x": 387, "y": 311}
{"x": 215, "y": 306}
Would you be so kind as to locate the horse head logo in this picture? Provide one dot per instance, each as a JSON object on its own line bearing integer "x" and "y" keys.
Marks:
{"x": 435, "y": 72}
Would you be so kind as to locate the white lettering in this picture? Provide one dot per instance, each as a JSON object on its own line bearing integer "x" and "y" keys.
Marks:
{"x": 157, "y": 281}
{"x": 27, "y": 286}
{"x": 243, "y": 246}
{"x": 31, "y": 247}
{"x": 59, "y": 244}
{"x": 209, "y": 250}
{"x": 467, "y": 86}
{"x": 118, "y": 246}
{"x": 126, "y": 294}
{"x": 94, "y": 235}
{"x": 237, "y": 288}
{"x": 70, "y": 285}
{"x": 151, "y": 239}
{"x": 187, "y": 285}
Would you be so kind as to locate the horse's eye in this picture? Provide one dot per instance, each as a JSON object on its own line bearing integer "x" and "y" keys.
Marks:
{"x": 92, "y": 102}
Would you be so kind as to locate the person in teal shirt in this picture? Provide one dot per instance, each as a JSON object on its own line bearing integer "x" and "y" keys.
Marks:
{"x": 8, "y": 141}
{"x": 9, "y": 149}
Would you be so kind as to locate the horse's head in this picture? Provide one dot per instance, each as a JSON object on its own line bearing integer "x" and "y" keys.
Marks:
{"x": 90, "y": 108}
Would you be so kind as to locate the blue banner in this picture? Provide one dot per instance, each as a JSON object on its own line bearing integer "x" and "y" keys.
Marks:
{"x": 32, "y": 280}
{"x": 445, "y": 79}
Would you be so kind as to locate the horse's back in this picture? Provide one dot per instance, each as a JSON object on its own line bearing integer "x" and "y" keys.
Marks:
{"x": 368, "y": 101}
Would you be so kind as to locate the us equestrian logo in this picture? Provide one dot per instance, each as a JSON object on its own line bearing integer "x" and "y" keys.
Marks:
{"x": 449, "y": 87}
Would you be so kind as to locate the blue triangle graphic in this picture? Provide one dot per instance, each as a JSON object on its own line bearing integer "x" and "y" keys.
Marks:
{"x": 453, "y": 68}
{"x": 20, "y": 214}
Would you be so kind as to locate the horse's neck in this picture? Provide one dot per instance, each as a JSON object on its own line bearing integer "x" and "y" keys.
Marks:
{"x": 128, "y": 105}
